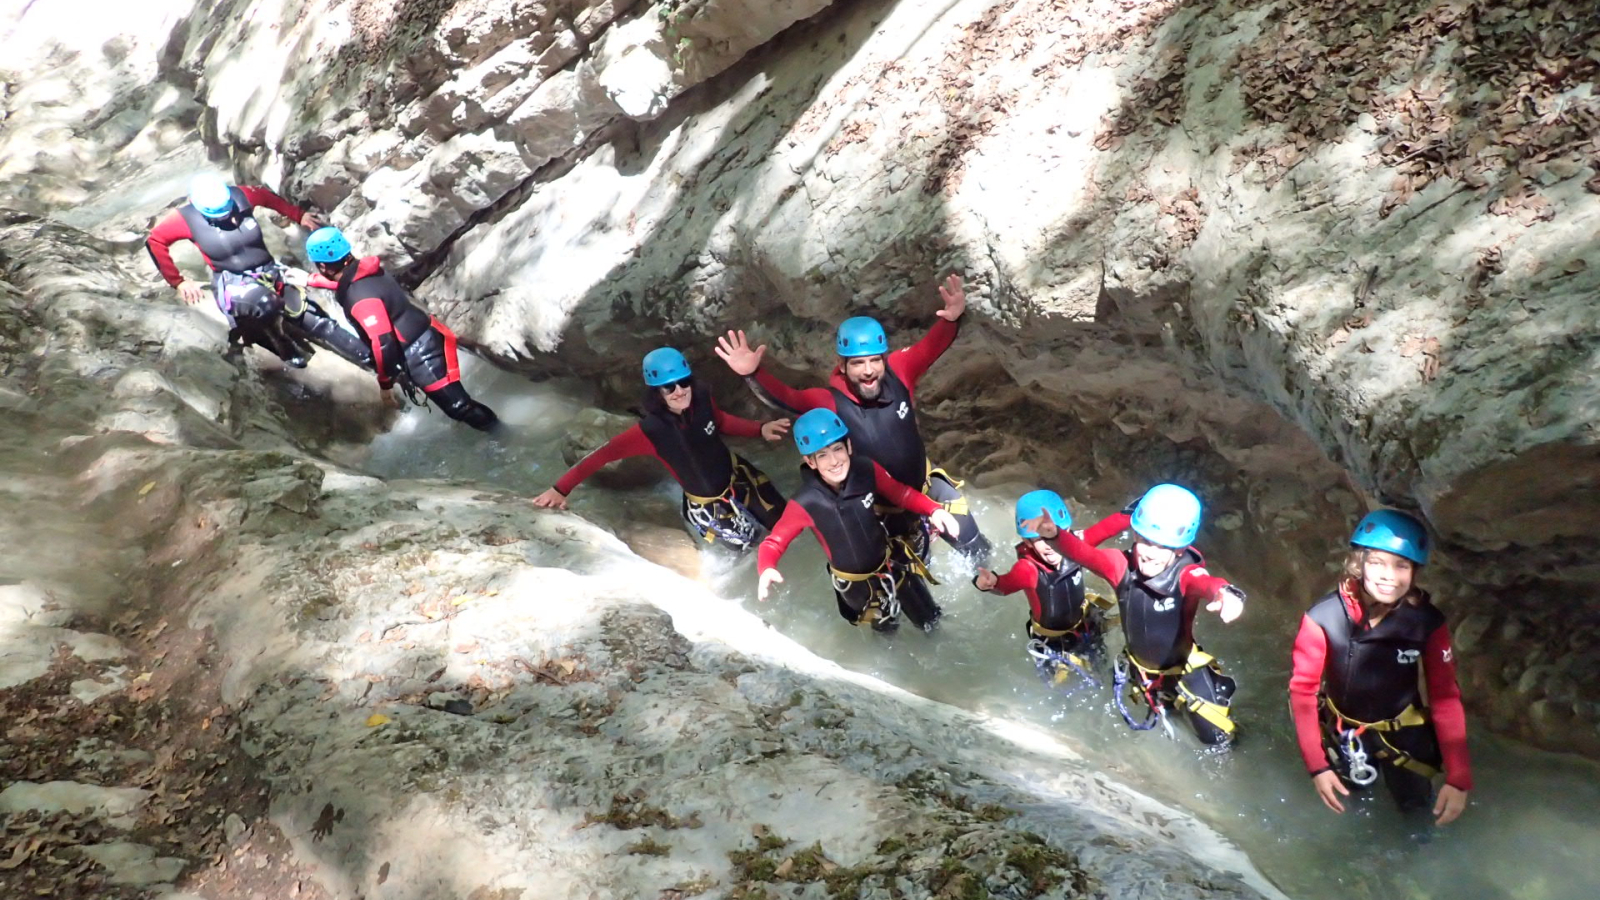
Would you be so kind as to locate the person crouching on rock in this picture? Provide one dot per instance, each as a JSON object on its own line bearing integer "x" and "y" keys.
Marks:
{"x": 1160, "y": 585}
{"x": 724, "y": 496}
{"x": 874, "y": 576}
{"x": 873, "y": 391}
{"x": 247, "y": 283}
{"x": 406, "y": 342}
{"x": 1065, "y": 630}
{"x": 1357, "y": 694}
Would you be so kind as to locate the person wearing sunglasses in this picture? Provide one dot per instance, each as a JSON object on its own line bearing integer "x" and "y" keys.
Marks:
{"x": 724, "y": 496}
{"x": 247, "y": 283}
{"x": 873, "y": 391}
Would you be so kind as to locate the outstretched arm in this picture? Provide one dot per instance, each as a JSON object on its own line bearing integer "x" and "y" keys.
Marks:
{"x": 911, "y": 363}
{"x": 632, "y": 442}
{"x": 261, "y": 196}
{"x": 1106, "y": 529}
{"x": 794, "y": 520}
{"x": 901, "y": 495}
{"x": 1108, "y": 564}
{"x": 735, "y": 426}
{"x": 1022, "y": 576}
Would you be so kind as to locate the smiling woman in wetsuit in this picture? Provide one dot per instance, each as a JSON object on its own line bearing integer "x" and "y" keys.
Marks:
{"x": 1364, "y": 655}
{"x": 724, "y": 496}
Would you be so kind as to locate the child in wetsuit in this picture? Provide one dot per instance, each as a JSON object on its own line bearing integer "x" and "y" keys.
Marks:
{"x": 1160, "y": 584}
{"x": 874, "y": 575}
{"x": 1065, "y": 631}
{"x": 1363, "y": 653}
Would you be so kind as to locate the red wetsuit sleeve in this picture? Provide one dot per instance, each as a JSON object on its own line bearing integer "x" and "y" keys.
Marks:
{"x": 372, "y": 317}
{"x": 1444, "y": 700}
{"x": 912, "y": 362}
{"x": 167, "y": 232}
{"x": 632, "y": 442}
{"x": 260, "y": 196}
{"x": 1310, "y": 653}
{"x": 794, "y": 520}
{"x": 1198, "y": 584}
{"x": 907, "y": 498}
{"x": 1106, "y": 529}
{"x": 1022, "y": 576}
{"x": 798, "y": 400}
{"x": 736, "y": 426}
{"x": 1108, "y": 564}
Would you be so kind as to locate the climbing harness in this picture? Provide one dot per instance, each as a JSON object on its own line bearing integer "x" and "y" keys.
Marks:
{"x": 723, "y": 516}
{"x": 1122, "y": 672}
{"x": 883, "y": 606}
{"x": 1345, "y": 735}
{"x": 1358, "y": 769}
{"x": 1150, "y": 689}
{"x": 1056, "y": 668}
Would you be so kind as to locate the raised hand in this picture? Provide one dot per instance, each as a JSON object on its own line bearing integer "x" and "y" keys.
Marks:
{"x": 954, "y": 297}
{"x": 551, "y": 498}
{"x": 1043, "y": 526}
{"x": 735, "y": 351}
{"x": 775, "y": 430}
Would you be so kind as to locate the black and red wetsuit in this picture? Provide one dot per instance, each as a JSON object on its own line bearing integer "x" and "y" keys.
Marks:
{"x": 404, "y": 337}
{"x": 885, "y": 428}
{"x": 233, "y": 243}
{"x": 1158, "y": 626}
{"x": 245, "y": 280}
{"x": 1369, "y": 673}
{"x": 1157, "y": 613}
{"x": 853, "y": 537}
{"x": 1057, "y": 600}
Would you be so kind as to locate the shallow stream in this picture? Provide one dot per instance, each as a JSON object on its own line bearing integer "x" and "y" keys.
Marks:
{"x": 1532, "y": 831}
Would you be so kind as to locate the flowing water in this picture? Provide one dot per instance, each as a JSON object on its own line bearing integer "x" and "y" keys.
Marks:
{"x": 1532, "y": 831}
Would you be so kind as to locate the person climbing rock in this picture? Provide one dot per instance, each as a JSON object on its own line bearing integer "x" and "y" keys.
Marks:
{"x": 247, "y": 283}
{"x": 874, "y": 392}
{"x": 1374, "y": 686}
{"x": 408, "y": 345}
{"x": 1065, "y": 628}
{"x": 1160, "y": 584}
{"x": 724, "y": 496}
{"x": 875, "y": 575}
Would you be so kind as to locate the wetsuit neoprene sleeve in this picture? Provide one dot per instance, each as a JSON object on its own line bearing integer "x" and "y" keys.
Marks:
{"x": 172, "y": 229}
{"x": 1444, "y": 700}
{"x": 795, "y": 519}
{"x": 634, "y": 442}
{"x": 909, "y": 365}
{"x": 1022, "y": 576}
{"x": 1195, "y": 582}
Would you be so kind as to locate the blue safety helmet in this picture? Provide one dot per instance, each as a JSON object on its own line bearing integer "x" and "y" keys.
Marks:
{"x": 209, "y": 194}
{"x": 818, "y": 429}
{"x": 327, "y": 245}
{"x": 1168, "y": 515}
{"x": 664, "y": 365}
{"x": 1392, "y": 531}
{"x": 1032, "y": 504}
{"x": 861, "y": 336}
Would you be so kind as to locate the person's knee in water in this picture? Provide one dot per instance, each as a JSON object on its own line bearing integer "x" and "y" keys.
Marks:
{"x": 724, "y": 496}
{"x": 1160, "y": 585}
{"x": 1374, "y": 688}
{"x": 1063, "y": 621}
{"x": 837, "y": 502}
{"x": 873, "y": 391}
